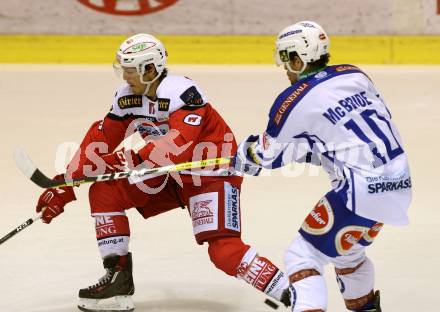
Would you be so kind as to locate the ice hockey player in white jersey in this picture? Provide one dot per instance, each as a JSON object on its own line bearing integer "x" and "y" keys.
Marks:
{"x": 334, "y": 117}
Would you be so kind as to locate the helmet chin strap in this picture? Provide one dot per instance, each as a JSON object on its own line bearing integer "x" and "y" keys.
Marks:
{"x": 298, "y": 72}
{"x": 149, "y": 83}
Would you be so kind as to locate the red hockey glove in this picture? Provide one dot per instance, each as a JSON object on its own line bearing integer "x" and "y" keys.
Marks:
{"x": 121, "y": 160}
{"x": 54, "y": 201}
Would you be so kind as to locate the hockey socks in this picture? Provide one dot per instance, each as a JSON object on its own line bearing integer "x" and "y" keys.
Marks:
{"x": 356, "y": 285}
{"x": 112, "y": 233}
{"x": 262, "y": 274}
{"x": 237, "y": 259}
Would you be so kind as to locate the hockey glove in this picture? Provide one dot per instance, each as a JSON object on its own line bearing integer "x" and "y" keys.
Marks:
{"x": 54, "y": 200}
{"x": 121, "y": 160}
{"x": 245, "y": 160}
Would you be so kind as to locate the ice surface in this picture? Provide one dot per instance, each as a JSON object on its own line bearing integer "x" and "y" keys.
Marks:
{"x": 42, "y": 268}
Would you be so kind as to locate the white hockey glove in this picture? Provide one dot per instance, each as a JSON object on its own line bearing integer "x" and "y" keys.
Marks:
{"x": 246, "y": 159}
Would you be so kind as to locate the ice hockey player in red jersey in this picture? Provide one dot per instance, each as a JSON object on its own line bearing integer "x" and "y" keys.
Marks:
{"x": 178, "y": 125}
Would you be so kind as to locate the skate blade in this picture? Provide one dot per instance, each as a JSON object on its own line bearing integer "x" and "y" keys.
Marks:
{"x": 114, "y": 304}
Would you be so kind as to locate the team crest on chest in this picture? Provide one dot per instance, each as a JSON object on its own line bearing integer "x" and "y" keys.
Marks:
{"x": 320, "y": 220}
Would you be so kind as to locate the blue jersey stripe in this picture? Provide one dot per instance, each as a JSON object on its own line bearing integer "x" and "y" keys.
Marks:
{"x": 353, "y": 194}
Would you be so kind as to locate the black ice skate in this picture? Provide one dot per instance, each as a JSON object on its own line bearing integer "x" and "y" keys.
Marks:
{"x": 285, "y": 298}
{"x": 113, "y": 291}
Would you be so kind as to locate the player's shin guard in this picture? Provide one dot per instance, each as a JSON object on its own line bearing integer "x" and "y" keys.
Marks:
{"x": 262, "y": 274}
{"x": 356, "y": 286}
{"x": 113, "y": 291}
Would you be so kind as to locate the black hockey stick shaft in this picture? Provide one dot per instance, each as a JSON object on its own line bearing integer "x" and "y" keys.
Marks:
{"x": 19, "y": 228}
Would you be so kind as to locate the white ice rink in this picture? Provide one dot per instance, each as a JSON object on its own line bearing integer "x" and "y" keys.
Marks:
{"x": 43, "y": 267}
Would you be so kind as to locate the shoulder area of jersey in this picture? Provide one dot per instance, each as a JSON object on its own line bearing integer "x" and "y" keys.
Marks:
{"x": 182, "y": 92}
{"x": 300, "y": 90}
{"x": 315, "y": 79}
{"x": 330, "y": 72}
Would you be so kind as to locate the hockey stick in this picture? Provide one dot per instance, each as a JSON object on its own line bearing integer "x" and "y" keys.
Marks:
{"x": 25, "y": 164}
{"x": 20, "y": 228}
{"x": 271, "y": 304}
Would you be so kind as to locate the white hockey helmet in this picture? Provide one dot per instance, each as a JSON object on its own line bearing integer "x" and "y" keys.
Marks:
{"x": 140, "y": 50}
{"x": 306, "y": 38}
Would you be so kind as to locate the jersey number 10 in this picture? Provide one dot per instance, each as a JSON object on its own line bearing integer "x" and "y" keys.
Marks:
{"x": 381, "y": 127}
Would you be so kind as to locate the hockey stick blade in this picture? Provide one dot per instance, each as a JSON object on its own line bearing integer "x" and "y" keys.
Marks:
{"x": 271, "y": 304}
{"x": 28, "y": 168}
{"x": 23, "y": 162}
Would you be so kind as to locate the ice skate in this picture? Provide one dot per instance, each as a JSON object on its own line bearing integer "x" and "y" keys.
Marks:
{"x": 113, "y": 291}
{"x": 285, "y": 298}
{"x": 376, "y": 304}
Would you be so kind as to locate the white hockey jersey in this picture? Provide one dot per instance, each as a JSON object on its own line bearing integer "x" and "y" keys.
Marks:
{"x": 173, "y": 93}
{"x": 337, "y": 119}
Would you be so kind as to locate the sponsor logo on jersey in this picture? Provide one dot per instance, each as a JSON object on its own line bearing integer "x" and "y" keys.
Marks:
{"x": 320, "y": 220}
{"x": 193, "y": 119}
{"x": 342, "y": 68}
{"x": 380, "y": 187}
{"x": 204, "y": 212}
{"x": 101, "y": 124}
{"x": 321, "y": 74}
{"x": 164, "y": 104}
{"x": 232, "y": 209}
{"x": 288, "y": 102}
{"x": 266, "y": 141}
{"x": 373, "y": 232}
{"x": 348, "y": 236}
{"x": 153, "y": 130}
{"x": 151, "y": 108}
{"x": 192, "y": 97}
{"x": 201, "y": 210}
{"x": 130, "y": 101}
